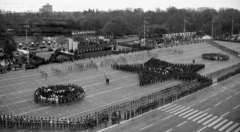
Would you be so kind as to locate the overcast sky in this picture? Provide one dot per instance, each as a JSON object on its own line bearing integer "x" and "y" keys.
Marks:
{"x": 80, "y": 5}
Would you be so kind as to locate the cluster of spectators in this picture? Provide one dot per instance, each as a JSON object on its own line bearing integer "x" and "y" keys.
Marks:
{"x": 58, "y": 94}
{"x": 215, "y": 56}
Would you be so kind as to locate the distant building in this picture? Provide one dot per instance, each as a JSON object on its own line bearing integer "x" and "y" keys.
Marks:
{"x": 46, "y": 8}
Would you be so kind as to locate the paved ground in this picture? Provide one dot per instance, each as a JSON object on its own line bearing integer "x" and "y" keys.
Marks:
{"x": 230, "y": 45}
{"x": 17, "y": 88}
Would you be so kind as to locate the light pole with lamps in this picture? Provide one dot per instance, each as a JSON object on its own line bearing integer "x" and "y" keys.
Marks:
{"x": 184, "y": 29}
{"x": 27, "y": 26}
{"x": 212, "y": 27}
{"x": 232, "y": 27}
{"x": 144, "y": 29}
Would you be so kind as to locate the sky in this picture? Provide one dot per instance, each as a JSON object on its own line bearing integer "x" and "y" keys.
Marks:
{"x": 80, "y": 5}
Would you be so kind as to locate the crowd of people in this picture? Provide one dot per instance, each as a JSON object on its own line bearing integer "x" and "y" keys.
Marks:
{"x": 58, "y": 94}
{"x": 109, "y": 61}
{"x": 233, "y": 52}
{"x": 74, "y": 67}
{"x": 234, "y": 72}
{"x": 53, "y": 95}
{"x": 156, "y": 70}
{"x": 215, "y": 56}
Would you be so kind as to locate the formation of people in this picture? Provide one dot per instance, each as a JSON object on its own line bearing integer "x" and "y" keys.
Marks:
{"x": 215, "y": 56}
{"x": 74, "y": 67}
{"x": 109, "y": 61}
{"x": 156, "y": 70}
{"x": 43, "y": 73}
{"x": 110, "y": 115}
{"x": 58, "y": 94}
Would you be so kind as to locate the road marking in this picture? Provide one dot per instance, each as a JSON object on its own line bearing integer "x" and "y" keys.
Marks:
{"x": 237, "y": 130}
{"x": 203, "y": 119}
{"x": 237, "y": 93}
{"x": 224, "y": 114}
{"x": 201, "y": 129}
{"x": 213, "y": 95}
{"x": 190, "y": 114}
{"x": 219, "y": 119}
{"x": 177, "y": 109}
{"x": 146, "y": 127}
{"x": 236, "y": 107}
{"x": 228, "y": 97}
{"x": 199, "y": 117}
{"x": 181, "y": 123}
{"x": 220, "y": 124}
{"x": 203, "y": 100}
{"x": 181, "y": 111}
{"x": 186, "y": 112}
{"x": 173, "y": 108}
{"x": 223, "y": 90}
{"x": 192, "y": 105}
{"x": 205, "y": 123}
{"x": 232, "y": 86}
{"x": 207, "y": 110}
{"x": 231, "y": 128}
{"x": 167, "y": 117}
{"x": 165, "y": 107}
{"x": 218, "y": 104}
{"x": 224, "y": 127}
{"x": 195, "y": 115}
{"x": 169, "y": 130}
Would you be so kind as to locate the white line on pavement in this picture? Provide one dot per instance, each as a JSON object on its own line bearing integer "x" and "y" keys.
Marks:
{"x": 236, "y": 107}
{"x": 181, "y": 123}
{"x": 228, "y": 97}
{"x": 224, "y": 114}
{"x": 232, "y": 86}
{"x": 169, "y": 130}
{"x": 207, "y": 110}
{"x": 237, "y": 92}
{"x": 214, "y": 95}
{"x": 192, "y": 105}
{"x": 146, "y": 127}
{"x": 167, "y": 117}
{"x": 201, "y": 129}
{"x": 218, "y": 104}
{"x": 203, "y": 100}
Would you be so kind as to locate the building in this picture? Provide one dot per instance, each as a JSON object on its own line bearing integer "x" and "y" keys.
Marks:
{"x": 46, "y": 8}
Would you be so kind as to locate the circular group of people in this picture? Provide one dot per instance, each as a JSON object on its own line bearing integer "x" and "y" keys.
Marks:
{"x": 59, "y": 94}
{"x": 215, "y": 56}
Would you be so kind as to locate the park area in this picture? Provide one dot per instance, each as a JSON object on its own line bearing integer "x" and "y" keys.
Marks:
{"x": 17, "y": 87}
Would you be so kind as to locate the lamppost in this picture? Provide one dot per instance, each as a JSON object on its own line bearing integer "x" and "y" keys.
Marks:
{"x": 27, "y": 26}
{"x": 144, "y": 29}
{"x": 184, "y": 29}
{"x": 213, "y": 25}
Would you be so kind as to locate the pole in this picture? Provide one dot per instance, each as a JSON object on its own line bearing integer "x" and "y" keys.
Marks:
{"x": 212, "y": 28}
{"x": 27, "y": 47}
{"x": 232, "y": 27}
{"x": 184, "y": 29}
{"x": 144, "y": 32}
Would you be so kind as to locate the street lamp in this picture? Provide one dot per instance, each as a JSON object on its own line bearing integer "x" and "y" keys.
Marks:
{"x": 212, "y": 27}
{"x": 144, "y": 28}
{"x": 27, "y": 26}
{"x": 184, "y": 29}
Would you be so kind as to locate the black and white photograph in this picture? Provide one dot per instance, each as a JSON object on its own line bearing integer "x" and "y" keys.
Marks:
{"x": 119, "y": 66}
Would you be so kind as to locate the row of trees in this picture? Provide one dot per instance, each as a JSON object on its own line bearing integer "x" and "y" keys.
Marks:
{"x": 128, "y": 21}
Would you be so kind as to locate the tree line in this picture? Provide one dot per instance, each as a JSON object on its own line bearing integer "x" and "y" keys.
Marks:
{"x": 129, "y": 21}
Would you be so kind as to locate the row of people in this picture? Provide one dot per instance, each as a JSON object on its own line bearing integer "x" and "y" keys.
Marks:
{"x": 58, "y": 94}
{"x": 113, "y": 114}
